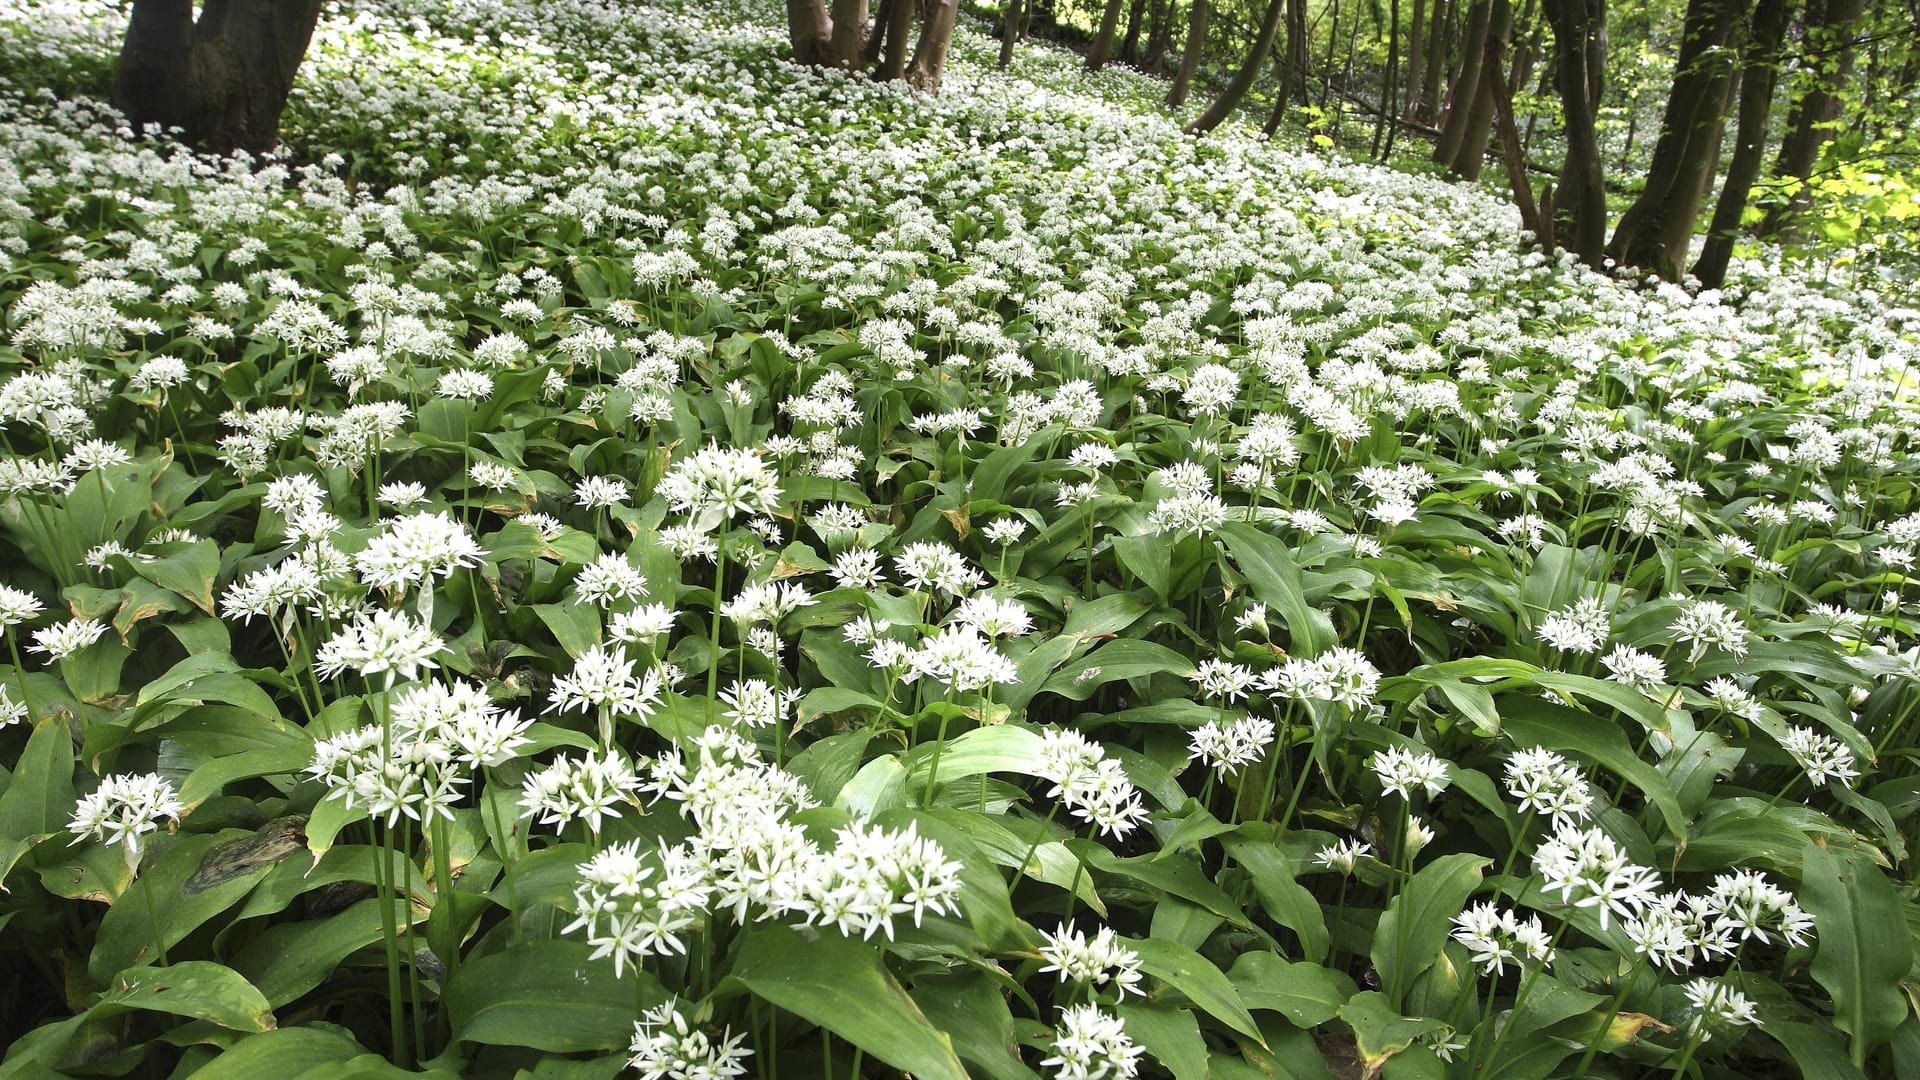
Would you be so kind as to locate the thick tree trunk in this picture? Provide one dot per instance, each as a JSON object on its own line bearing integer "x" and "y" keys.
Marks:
{"x": 893, "y": 58}
{"x": 1236, "y": 90}
{"x": 1466, "y": 85}
{"x": 1657, "y": 230}
{"x": 1136, "y": 22}
{"x": 1579, "y": 45}
{"x": 1190, "y": 57}
{"x": 810, "y": 31}
{"x": 849, "y": 34}
{"x": 1830, "y": 26}
{"x": 223, "y": 79}
{"x": 930, "y": 56}
{"x": 1102, "y": 49}
{"x": 1759, "y": 74}
{"x": 1471, "y": 157}
{"x": 1009, "y": 32}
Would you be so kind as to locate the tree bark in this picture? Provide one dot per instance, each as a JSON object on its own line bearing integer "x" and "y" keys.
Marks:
{"x": 1471, "y": 157}
{"x": 1136, "y": 21}
{"x": 1190, "y": 57}
{"x": 809, "y": 31}
{"x": 1297, "y": 48}
{"x": 1385, "y": 122}
{"x": 1415, "y": 55}
{"x": 1579, "y": 44}
{"x": 893, "y": 58}
{"x": 1759, "y": 74}
{"x": 1515, "y": 158}
{"x": 1102, "y": 48}
{"x": 1009, "y": 32}
{"x": 1657, "y": 230}
{"x": 222, "y": 80}
{"x": 930, "y": 56}
{"x": 1236, "y": 90}
{"x": 1429, "y": 104}
{"x": 1159, "y": 37}
{"x": 1466, "y": 85}
{"x": 849, "y": 36}
{"x": 876, "y": 41}
{"x": 1830, "y": 24}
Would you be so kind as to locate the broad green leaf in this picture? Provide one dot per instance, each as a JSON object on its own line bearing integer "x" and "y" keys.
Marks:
{"x": 1417, "y": 922}
{"x": 843, "y": 985}
{"x": 973, "y": 1011}
{"x": 548, "y": 995}
{"x": 289, "y": 959}
{"x": 1125, "y": 658}
{"x": 1864, "y": 946}
{"x": 1379, "y": 1031}
{"x": 39, "y": 798}
{"x": 1282, "y": 897}
{"x": 283, "y": 1052}
{"x": 1274, "y": 574}
{"x": 1196, "y": 977}
{"x": 189, "y": 572}
{"x": 1171, "y": 1035}
{"x": 195, "y": 988}
{"x": 1305, "y": 993}
{"x": 1004, "y": 748}
{"x": 183, "y": 884}
{"x": 1533, "y": 722}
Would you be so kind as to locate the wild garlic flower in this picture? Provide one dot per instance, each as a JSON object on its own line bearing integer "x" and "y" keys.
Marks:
{"x": 1580, "y": 628}
{"x": 1543, "y": 782}
{"x": 1706, "y": 624}
{"x": 62, "y": 640}
{"x": 124, "y": 808}
{"x": 1674, "y": 930}
{"x": 993, "y": 617}
{"x": 1229, "y": 747}
{"x": 636, "y": 903}
{"x": 11, "y": 712}
{"x": 1343, "y": 676}
{"x": 1090, "y": 784}
{"x": 1719, "y": 1005}
{"x": 959, "y": 657}
{"x": 926, "y": 566}
{"x": 1092, "y": 1045}
{"x": 642, "y": 625}
{"x": 1343, "y": 856}
{"x": 1402, "y": 770}
{"x": 665, "y": 1047}
{"x": 392, "y": 643}
{"x": 720, "y": 483}
{"x": 1496, "y": 938}
{"x": 598, "y": 492}
{"x": 756, "y": 703}
{"x": 1751, "y": 907}
{"x": 608, "y": 580}
{"x": 416, "y": 549}
{"x": 1219, "y": 680}
{"x": 1822, "y": 756}
{"x": 18, "y": 606}
{"x": 589, "y": 789}
{"x": 603, "y": 680}
{"x": 872, "y": 875}
{"x": 1004, "y": 531}
{"x": 1631, "y": 667}
{"x": 1095, "y": 961}
{"x": 418, "y": 779}
{"x": 479, "y": 733}
{"x": 1589, "y": 870}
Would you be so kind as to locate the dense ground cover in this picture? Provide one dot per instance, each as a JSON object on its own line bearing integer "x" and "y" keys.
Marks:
{"x": 975, "y": 586}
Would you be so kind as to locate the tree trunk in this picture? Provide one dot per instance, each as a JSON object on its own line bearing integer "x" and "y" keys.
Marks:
{"x": 1333, "y": 40}
{"x": 893, "y": 59}
{"x": 810, "y": 30}
{"x": 1159, "y": 36}
{"x": 849, "y": 34}
{"x": 1579, "y": 43}
{"x": 1190, "y": 57}
{"x": 1429, "y": 104}
{"x": 1471, "y": 157}
{"x": 1236, "y": 90}
{"x": 1009, "y": 32}
{"x": 1297, "y": 45}
{"x": 930, "y": 57}
{"x": 1102, "y": 48}
{"x": 1415, "y": 55}
{"x": 223, "y": 79}
{"x": 1657, "y": 230}
{"x": 1515, "y": 158}
{"x": 876, "y": 41}
{"x": 1759, "y": 74}
{"x": 1809, "y": 123}
{"x": 1386, "y": 119}
{"x": 1136, "y": 21}
{"x": 1466, "y": 85}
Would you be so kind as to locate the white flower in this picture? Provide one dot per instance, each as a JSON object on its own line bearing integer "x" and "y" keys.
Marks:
{"x": 62, "y": 640}
{"x": 1719, "y": 1004}
{"x": 596, "y": 492}
{"x": 1097, "y": 960}
{"x": 417, "y": 548}
{"x": 1343, "y": 856}
{"x": 664, "y": 1047}
{"x": 1227, "y": 748}
{"x": 1089, "y": 783}
{"x": 1588, "y": 869}
{"x": 1544, "y": 783}
{"x": 18, "y": 606}
{"x": 1710, "y": 624}
{"x": 1822, "y": 756}
{"x": 1496, "y": 938}
{"x": 124, "y": 808}
{"x": 1581, "y": 628}
{"x": 720, "y": 482}
{"x": 1631, "y": 667}
{"x": 387, "y": 642}
{"x": 1092, "y": 1045}
{"x": 1401, "y": 770}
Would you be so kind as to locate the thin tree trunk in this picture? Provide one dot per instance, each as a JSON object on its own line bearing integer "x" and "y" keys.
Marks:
{"x": 1512, "y": 155}
{"x": 1130, "y": 44}
{"x": 1386, "y": 120}
{"x": 1759, "y": 74}
{"x": 1009, "y": 32}
{"x": 1471, "y": 157}
{"x": 1429, "y": 104}
{"x": 1159, "y": 36}
{"x": 1190, "y": 57}
{"x": 1830, "y": 24}
{"x": 1416, "y": 27}
{"x": 223, "y": 79}
{"x": 1466, "y": 85}
{"x": 893, "y": 59}
{"x": 1579, "y": 36}
{"x": 1102, "y": 48}
{"x": 1326, "y": 69}
{"x": 876, "y": 41}
{"x": 1656, "y": 231}
{"x": 1236, "y": 90}
{"x": 930, "y": 57}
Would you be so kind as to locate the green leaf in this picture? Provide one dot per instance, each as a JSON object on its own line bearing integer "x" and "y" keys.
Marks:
{"x": 1006, "y": 748}
{"x": 1196, "y": 977}
{"x": 1125, "y": 658}
{"x": 548, "y": 995}
{"x": 189, "y": 572}
{"x": 1416, "y": 923}
{"x": 184, "y": 884}
{"x": 1304, "y": 993}
{"x": 1282, "y": 897}
{"x": 195, "y": 988}
{"x": 283, "y": 1052}
{"x": 288, "y": 960}
{"x": 1379, "y": 1031}
{"x": 1864, "y": 946}
{"x": 1171, "y": 1035}
{"x": 842, "y": 985}
{"x": 973, "y": 1011}
{"x": 1274, "y": 574}
{"x": 39, "y": 798}
{"x": 1532, "y": 722}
